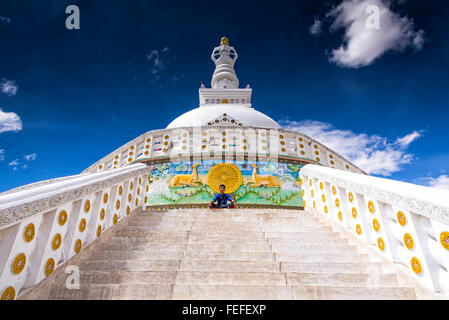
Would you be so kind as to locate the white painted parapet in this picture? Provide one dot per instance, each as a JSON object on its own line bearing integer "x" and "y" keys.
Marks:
{"x": 44, "y": 225}
{"x": 407, "y": 223}
{"x": 218, "y": 140}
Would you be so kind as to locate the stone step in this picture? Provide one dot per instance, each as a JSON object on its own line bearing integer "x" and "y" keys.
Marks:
{"x": 230, "y": 278}
{"x": 322, "y": 257}
{"x": 143, "y": 240}
{"x": 290, "y": 228}
{"x": 352, "y": 293}
{"x": 112, "y": 292}
{"x": 230, "y": 255}
{"x": 130, "y": 265}
{"x": 143, "y": 247}
{"x": 222, "y": 240}
{"x": 229, "y": 266}
{"x": 316, "y": 231}
{"x": 324, "y": 247}
{"x": 342, "y": 279}
{"x": 308, "y": 240}
{"x": 152, "y": 234}
{"x": 331, "y": 267}
{"x": 226, "y": 234}
{"x": 227, "y": 247}
{"x": 127, "y": 277}
{"x": 232, "y": 292}
{"x": 139, "y": 255}
{"x": 292, "y": 237}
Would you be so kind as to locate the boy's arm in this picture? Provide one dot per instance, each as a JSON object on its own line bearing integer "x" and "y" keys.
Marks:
{"x": 215, "y": 198}
{"x": 230, "y": 199}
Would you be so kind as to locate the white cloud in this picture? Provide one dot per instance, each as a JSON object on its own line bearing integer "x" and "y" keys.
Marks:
{"x": 362, "y": 43}
{"x": 14, "y": 162}
{"x": 30, "y": 157}
{"x": 8, "y": 87}
{"x": 372, "y": 153}
{"x": 315, "y": 28}
{"x": 441, "y": 182}
{"x": 5, "y": 20}
{"x": 155, "y": 58}
{"x": 9, "y": 121}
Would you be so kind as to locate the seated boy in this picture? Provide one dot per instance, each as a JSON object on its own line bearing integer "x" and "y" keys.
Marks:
{"x": 222, "y": 199}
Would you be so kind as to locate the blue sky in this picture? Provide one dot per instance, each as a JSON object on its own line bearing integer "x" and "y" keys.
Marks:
{"x": 69, "y": 97}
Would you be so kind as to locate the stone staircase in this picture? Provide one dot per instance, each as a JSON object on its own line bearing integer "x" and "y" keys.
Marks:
{"x": 224, "y": 254}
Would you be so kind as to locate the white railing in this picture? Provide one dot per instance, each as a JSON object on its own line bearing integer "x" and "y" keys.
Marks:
{"x": 407, "y": 223}
{"x": 214, "y": 141}
{"x": 43, "y": 226}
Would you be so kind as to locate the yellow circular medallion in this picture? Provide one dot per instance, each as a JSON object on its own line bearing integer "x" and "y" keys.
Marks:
{"x": 325, "y": 209}
{"x": 354, "y": 212}
{"x": 120, "y": 190}
{"x": 350, "y": 197}
{"x": 105, "y": 198}
{"x": 371, "y": 206}
{"x": 128, "y": 210}
{"x": 115, "y": 218}
{"x": 117, "y": 204}
{"x": 416, "y": 265}
{"x": 98, "y": 231}
{"x": 381, "y": 244}
{"x": 358, "y": 229}
{"x": 401, "y": 218}
{"x": 321, "y": 186}
{"x": 87, "y": 206}
{"x": 49, "y": 267}
{"x": 340, "y": 215}
{"x": 376, "y": 225}
{"x": 56, "y": 243}
{"x": 19, "y": 263}
{"x": 8, "y": 294}
{"x": 334, "y": 190}
{"x": 337, "y": 203}
{"x": 102, "y": 213}
{"x": 62, "y": 217}
{"x": 444, "y": 239}
{"x": 224, "y": 173}
{"x": 78, "y": 245}
{"x": 408, "y": 241}
{"x": 29, "y": 232}
{"x": 323, "y": 197}
{"x": 82, "y": 225}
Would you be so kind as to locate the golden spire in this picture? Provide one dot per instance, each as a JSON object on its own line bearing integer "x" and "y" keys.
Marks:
{"x": 224, "y": 41}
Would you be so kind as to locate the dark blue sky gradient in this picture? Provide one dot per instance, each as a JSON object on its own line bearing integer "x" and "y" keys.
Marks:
{"x": 83, "y": 93}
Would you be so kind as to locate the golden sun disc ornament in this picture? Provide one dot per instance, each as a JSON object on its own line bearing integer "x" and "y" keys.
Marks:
{"x": 62, "y": 217}
{"x": 49, "y": 267}
{"x": 19, "y": 263}
{"x": 224, "y": 173}
{"x": 444, "y": 239}
{"x": 57, "y": 240}
{"x": 29, "y": 232}
{"x": 350, "y": 197}
{"x": 381, "y": 244}
{"x": 78, "y": 245}
{"x": 371, "y": 206}
{"x": 408, "y": 241}
{"x": 416, "y": 265}
{"x": 8, "y": 294}
{"x": 401, "y": 218}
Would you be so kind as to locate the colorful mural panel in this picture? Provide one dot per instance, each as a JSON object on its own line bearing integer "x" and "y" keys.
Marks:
{"x": 252, "y": 183}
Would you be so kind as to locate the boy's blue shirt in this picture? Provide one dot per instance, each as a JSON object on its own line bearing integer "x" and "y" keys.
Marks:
{"x": 222, "y": 199}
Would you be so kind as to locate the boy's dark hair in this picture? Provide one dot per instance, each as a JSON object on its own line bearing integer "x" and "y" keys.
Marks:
{"x": 222, "y": 185}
